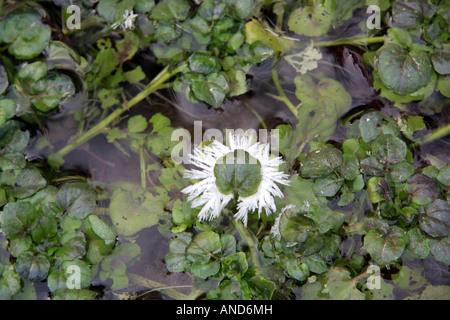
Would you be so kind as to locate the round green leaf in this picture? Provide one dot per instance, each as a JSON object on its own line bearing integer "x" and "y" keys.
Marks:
{"x": 422, "y": 189}
{"x": 294, "y": 226}
{"x": 387, "y": 247}
{"x": 33, "y": 267}
{"x": 77, "y": 199}
{"x": 238, "y": 173}
{"x": 389, "y": 149}
{"x": 436, "y": 220}
{"x": 26, "y": 35}
{"x": 204, "y": 247}
{"x": 403, "y": 71}
{"x": 17, "y": 219}
{"x": 321, "y": 162}
{"x": 4, "y": 82}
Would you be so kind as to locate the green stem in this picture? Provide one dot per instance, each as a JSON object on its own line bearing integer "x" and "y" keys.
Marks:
{"x": 156, "y": 84}
{"x": 143, "y": 169}
{"x": 248, "y": 237}
{"x": 168, "y": 290}
{"x": 356, "y": 40}
{"x": 282, "y": 97}
{"x": 435, "y": 135}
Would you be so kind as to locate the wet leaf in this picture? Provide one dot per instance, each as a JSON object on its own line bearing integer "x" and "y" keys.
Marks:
{"x": 368, "y": 125}
{"x": 28, "y": 182}
{"x": 441, "y": 62}
{"x": 137, "y": 124}
{"x": 403, "y": 71}
{"x": 24, "y": 33}
{"x": 238, "y": 173}
{"x": 294, "y": 226}
{"x": 311, "y": 21}
{"x": 133, "y": 209}
{"x": 49, "y": 91}
{"x": 419, "y": 244}
{"x": 440, "y": 249}
{"x": 327, "y": 186}
{"x": 321, "y": 162}
{"x": 422, "y": 189}
{"x": 101, "y": 229}
{"x": 176, "y": 260}
{"x": 255, "y": 31}
{"x": 389, "y": 149}
{"x": 73, "y": 294}
{"x": 4, "y": 82}
{"x": 296, "y": 269}
{"x": 385, "y": 247}
{"x": 171, "y": 10}
{"x": 76, "y": 199}
{"x": 444, "y": 176}
{"x": 400, "y": 172}
{"x": 18, "y": 218}
{"x": 372, "y": 166}
{"x": 410, "y": 14}
{"x": 10, "y": 283}
{"x": 436, "y": 220}
{"x": 33, "y": 267}
{"x": 340, "y": 286}
{"x": 73, "y": 245}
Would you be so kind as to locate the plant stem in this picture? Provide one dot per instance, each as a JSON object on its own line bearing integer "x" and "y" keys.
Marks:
{"x": 355, "y": 40}
{"x": 435, "y": 135}
{"x": 282, "y": 97}
{"x": 168, "y": 290}
{"x": 248, "y": 237}
{"x": 156, "y": 84}
{"x": 143, "y": 169}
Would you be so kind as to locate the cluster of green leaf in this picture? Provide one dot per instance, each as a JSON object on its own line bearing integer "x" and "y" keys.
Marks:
{"x": 415, "y": 60}
{"x": 212, "y": 41}
{"x": 30, "y": 85}
{"x": 48, "y": 229}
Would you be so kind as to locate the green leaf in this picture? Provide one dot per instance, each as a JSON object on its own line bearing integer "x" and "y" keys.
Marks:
{"x": 296, "y": 269}
{"x": 202, "y": 63}
{"x": 10, "y": 283}
{"x": 410, "y": 14}
{"x": 77, "y": 199}
{"x": 340, "y": 286}
{"x": 50, "y": 90}
{"x": 73, "y": 294}
{"x": 212, "y": 9}
{"x": 17, "y": 219}
{"x": 137, "y": 124}
{"x": 176, "y": 260}
{"x": 325, "y": 218}
{"x": 28, "y": 182}
{"x": 323, "y": 102}
{"x": 135, "y": 75}
{"x": 389, "y": 149}
{"x": 102, "y": 230}
{"x": 444, "y": 176}
{"x": 203, "y": 251}
{"x": 402, "y": 171}
{"x": 327, "y": 186}
{"x": 33, "y": 267}
{"x": 24, "y": 33}
{"x": 436, "y": 220}
{"x": 385, "y": 247}
{"x": 419, "y": 244}
{"x": 133, "y": 209}
{"x": 73, "y": 245}
{"x": 368, "y": 125}
{"x": 311, "y": 21}
{"x": 294, "y": 226}
{"x": 59, "y": 278}
{"x": 441, "y": 62}
{"x": 321, "y": 162}
{"x": 238, "y": 173}
{"x": 403, "y": 71}
{"x": 422, "y": 189}
{"x": 4, "y": 82}
{"x": 440, "y": 249}
{"x": 171, "y": 10}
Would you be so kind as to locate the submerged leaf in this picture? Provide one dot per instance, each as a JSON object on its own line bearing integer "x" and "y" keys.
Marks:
{"x": 403, "y": 71}
{"x": 436, "y": 220}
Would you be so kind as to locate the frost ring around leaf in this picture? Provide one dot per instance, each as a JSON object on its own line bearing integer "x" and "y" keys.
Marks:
{"x": 209, "y": 192}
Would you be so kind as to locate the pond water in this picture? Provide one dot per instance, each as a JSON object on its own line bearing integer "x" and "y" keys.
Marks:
{"x": 105, "y": 164}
